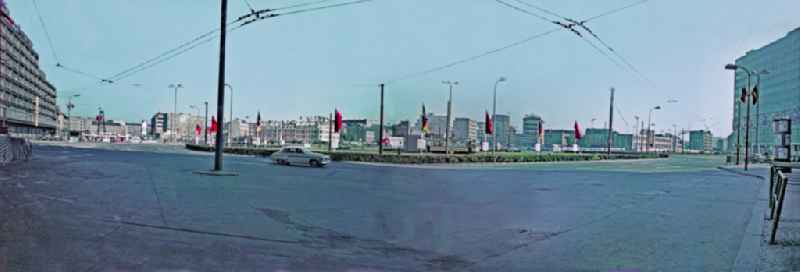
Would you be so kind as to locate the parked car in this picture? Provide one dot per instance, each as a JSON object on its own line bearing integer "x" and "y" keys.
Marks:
{"x": 300, "y": 156}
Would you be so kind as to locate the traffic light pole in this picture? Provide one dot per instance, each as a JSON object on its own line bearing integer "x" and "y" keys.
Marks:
{"x": 747, "y": 127}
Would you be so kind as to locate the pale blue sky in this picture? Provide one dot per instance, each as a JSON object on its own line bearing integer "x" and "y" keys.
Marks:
{"x": 309, "y": 63}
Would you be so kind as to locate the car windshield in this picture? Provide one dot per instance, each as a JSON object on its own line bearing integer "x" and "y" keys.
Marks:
{"x": 411, "y": 135}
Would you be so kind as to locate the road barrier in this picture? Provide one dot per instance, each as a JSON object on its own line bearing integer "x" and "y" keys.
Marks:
{"x": 778, "y": 181}
{"x": 14, "y": 149}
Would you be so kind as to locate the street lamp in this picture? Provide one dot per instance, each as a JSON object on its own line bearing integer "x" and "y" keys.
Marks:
{"x": 746, "y": 96}
{"x": 650, "y": 128}
{"x": 449, "y": 112}
{"x": 70, "y": 106}
{"x": 494, "y": 113}
{"x": 175, "y": 109}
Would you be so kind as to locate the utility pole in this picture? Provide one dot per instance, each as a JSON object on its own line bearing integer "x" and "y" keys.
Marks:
{"x": 636, "y": 133}
{"x": 611, "y": 122}
{"x": 330, "y": 133}
{"x": 205, "y": 125}
{"x": 380, "y": 131}
{"x": 221, "y": 87}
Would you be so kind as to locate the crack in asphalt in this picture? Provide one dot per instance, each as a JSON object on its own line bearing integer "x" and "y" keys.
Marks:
{"x": 319, "y": 237}
{"x": 203, "y": 232}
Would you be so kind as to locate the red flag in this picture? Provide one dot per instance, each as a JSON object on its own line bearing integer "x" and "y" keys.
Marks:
{"x": 213, "y": 124}
{"x": 489, "y": 125}
{"x": 197, "y": 130}
{"x": 578, "y": 134}
{"x": 425, "y": 126}
{"x": 541, "y": 128}
{"x": 338, "y": 125}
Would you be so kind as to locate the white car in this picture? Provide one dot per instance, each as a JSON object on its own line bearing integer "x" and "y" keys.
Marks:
{"x": 299, "y": 156}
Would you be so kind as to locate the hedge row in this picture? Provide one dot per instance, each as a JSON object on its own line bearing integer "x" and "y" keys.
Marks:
{"x": 439, "y": 158}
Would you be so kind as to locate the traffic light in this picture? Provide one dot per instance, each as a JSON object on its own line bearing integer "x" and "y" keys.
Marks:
{"x": 755, "y": 95}
{"x": 744, "y": 95}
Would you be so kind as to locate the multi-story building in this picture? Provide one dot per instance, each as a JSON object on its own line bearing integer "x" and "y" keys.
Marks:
{"x": 465, "y": 130}
{"x": 530, "y": 132}
{"x": 558, "y": 137}
{"x": 310, "y": 130}
{"x": 597, "y": 139}
{"x": 27, "y": 99}
{"x": 779, "y": 93}
{"x": 159, "y": 124}
{"x": 701, "y": 141}
{"x": 502, "y": 130}
{"x": 720, "y": 144}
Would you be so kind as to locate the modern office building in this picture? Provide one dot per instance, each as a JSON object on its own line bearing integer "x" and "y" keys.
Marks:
{"x": 779, "y": 93}
{"x": 27, "y": 100}
{"x": 530, "y": 132}
{"x": 597, "y": 139}
{"x": 502, "y": 130}
{"x": 701, "y": 141}
{"x": 558, "y": 138}
{"x": 465, "y": 130}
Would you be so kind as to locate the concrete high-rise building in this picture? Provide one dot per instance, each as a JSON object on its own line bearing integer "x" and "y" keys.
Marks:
{"x": 502, "y": 130}
{"x": 530, "y": 132}
{"x": 779, "y": 93}
{"x": 465, "y": 130}
{"x": 27, "y": 99}
{"x": 701, "y": 141}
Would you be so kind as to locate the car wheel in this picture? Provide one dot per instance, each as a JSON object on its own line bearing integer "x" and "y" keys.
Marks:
{"x": 315, "y": 163}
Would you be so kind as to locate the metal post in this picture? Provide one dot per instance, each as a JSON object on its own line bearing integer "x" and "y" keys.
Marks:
{"x": 447, "y": 126}
{"x": 649, "y": 129}
{"x": 747, "y": 127}
{"x": 380, "y": 131}
{"x": 230, "y": 122}
{"x": 610, "y": 122}
{"x": 330, "y": 133}
{"x": 221, "y": 87}
{"x": 494, "y": 114}
{"x": 738, "y": 127}
{"x": 205, "y": 125}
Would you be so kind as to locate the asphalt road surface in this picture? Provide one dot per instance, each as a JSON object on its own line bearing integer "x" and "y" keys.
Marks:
{"x": 73, "y": 209}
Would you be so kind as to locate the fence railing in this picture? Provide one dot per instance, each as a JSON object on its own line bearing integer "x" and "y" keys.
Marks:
{"x": 778, "y": 181}
{"x": 14, "y": 149}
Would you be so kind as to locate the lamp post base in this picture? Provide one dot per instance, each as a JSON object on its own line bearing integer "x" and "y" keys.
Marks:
{"x": 216, "y": 173}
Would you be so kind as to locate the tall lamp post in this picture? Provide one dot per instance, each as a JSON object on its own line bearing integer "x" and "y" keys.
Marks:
{"x": 494, "y": 112}
{"x": 70, "y": 106}
{"x": 175, "y": 110}
{"x": 650, "y": 128}
{"x": 746, "y": 95}
{"x": 449, "y": 114}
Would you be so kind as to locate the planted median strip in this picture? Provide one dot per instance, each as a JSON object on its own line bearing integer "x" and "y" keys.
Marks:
{"x": 427, "y": 158}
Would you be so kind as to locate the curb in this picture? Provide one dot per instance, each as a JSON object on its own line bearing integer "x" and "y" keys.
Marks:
{"x": 730, "y": 170}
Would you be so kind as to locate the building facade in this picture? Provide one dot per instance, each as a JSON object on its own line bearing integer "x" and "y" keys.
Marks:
{"x": 465, "y": 130}
{"x": 597, "y": 139}
{"x": 502, "y": 130}
{"x": 27, "y": 100}
{"x": 701, "y": 141}
{"x": 779, "y": 93}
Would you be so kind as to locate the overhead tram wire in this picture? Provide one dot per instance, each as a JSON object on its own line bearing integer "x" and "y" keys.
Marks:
{"x": 613, "y": 11}
{"x": 474, "y": 57}
{"x": 571, "y": 24}
{"x": 497, "y": 50}
{"x": 46, "y": 33}
{"x": 78, "y": 72}
{"x": 213, "y": 34}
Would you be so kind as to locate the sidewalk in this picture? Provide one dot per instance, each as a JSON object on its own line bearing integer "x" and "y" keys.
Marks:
{"x": 785, "y": 254}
